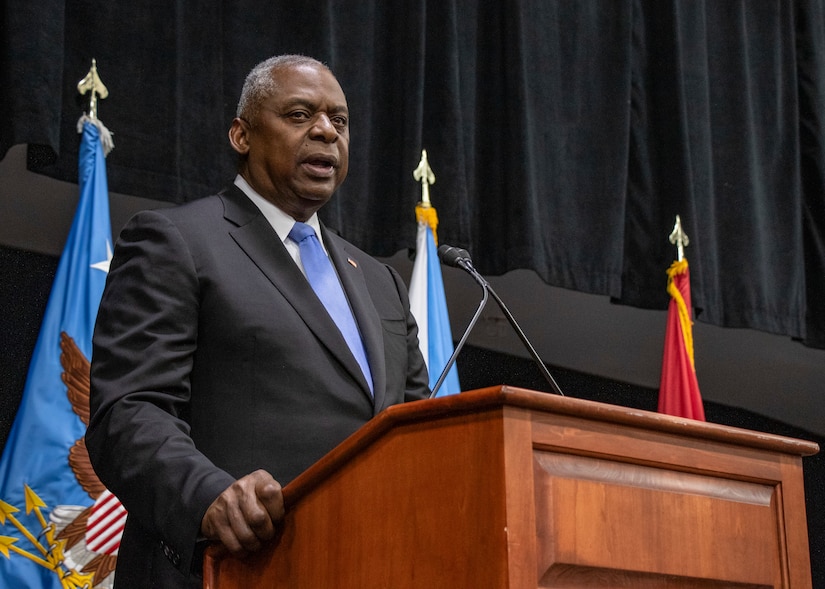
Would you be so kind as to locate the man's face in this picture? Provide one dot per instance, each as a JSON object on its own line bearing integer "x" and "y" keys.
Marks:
{"x": 297, "y": 149}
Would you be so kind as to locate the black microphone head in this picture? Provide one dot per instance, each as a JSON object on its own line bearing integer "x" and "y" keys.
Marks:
{"x": 453, "y": 256}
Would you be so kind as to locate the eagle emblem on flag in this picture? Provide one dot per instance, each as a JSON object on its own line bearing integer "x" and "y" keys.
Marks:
{"x": 92, "y": 534}
{"x": 78, "y": 543}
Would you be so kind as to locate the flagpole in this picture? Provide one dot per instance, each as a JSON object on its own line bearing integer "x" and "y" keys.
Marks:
{"x": 679, "y": 238}
{"x": 679, "y": 389}
{"x": 428, "y": 302}
{"x": 92, "y": 84}
{"x": 424, "y": 211}
{"x": 44, "y": 469}
{"x": 424, "y": 174}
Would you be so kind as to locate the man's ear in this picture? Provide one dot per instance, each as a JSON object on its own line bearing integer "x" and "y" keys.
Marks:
{"x": 239, "y": 136}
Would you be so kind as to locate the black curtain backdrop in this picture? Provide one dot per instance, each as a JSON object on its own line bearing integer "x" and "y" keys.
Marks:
{"x": 565, "y": 135}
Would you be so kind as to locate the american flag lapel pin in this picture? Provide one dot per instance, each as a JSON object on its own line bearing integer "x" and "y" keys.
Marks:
{"x": 352, "y": 262}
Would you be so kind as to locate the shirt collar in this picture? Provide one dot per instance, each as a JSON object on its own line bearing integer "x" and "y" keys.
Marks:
{"x": 280, "y": 221}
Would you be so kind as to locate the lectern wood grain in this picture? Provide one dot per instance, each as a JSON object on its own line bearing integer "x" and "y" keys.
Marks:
{"x": 508, "y": 488}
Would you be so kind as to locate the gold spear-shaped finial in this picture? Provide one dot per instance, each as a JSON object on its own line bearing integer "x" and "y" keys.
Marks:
{"x": 679, "y": 238}
{"x": 91, "y": 83}
{"x": 424, "y": 174}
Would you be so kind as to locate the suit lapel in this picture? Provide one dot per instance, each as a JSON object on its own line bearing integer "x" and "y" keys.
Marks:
{"x": 255, "y": 236}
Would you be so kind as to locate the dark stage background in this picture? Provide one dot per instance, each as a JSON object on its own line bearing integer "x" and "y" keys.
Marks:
{"x": 568, "y": 134}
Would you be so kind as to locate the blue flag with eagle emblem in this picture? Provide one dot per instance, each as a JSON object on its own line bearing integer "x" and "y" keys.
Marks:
{"x": 47, "y": 486}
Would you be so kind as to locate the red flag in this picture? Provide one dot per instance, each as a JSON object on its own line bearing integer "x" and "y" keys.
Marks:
{"x": 679, "y": 390}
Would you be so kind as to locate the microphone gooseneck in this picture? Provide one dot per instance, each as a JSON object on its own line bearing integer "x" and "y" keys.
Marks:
{"x": 463, "y": 339}
{"x": 460, "y": 258}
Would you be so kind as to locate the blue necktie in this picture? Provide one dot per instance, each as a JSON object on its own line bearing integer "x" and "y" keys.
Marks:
{"x": 325, "y": 283}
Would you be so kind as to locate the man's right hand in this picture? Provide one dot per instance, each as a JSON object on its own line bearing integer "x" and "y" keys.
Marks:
{"x": 245, "y": 515}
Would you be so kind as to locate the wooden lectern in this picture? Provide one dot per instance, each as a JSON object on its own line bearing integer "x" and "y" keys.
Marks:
{"x": 510, "y": 488}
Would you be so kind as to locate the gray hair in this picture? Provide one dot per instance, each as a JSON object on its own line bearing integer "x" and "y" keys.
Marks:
{"x": 260, "y": 84}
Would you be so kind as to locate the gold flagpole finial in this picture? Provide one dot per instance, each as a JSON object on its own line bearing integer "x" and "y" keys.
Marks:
{"x": 91, "y": 83}
{"x": 679, "y": 238}
{"x": 424, "y": 174}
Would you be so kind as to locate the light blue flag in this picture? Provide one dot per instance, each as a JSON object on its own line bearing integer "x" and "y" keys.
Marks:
{"x": 36, "y": 477}
{"x": 429, "y": 307}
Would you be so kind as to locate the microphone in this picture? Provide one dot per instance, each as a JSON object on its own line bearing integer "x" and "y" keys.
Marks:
{"x": 460, "y": 258}
{"x": 454, "y": 256}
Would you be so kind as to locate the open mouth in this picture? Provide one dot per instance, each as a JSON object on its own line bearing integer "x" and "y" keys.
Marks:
{"x": 322, "y": 165}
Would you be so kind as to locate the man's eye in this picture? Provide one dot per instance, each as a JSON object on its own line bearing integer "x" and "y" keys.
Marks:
{"x": 340, "y": 121}
{"x": 299, "y": 115}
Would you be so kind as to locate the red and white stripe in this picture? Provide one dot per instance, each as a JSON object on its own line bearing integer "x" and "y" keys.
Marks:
{"x": 105, "y": 525}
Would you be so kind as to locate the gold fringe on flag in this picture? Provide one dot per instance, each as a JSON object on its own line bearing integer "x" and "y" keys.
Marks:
{"x": 676, "y": 268}
{"x": 425, "y": 213}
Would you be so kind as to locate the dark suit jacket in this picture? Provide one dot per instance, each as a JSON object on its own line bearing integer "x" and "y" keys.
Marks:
{"x": 213, "y": 357}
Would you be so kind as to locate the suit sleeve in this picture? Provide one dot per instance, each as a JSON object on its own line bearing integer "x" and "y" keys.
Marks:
{"x": 143, "y": 346}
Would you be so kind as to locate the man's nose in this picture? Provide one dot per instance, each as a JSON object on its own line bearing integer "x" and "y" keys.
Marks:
{"x": 323, "y": 128}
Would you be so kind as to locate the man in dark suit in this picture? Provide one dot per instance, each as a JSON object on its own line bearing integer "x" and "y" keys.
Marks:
{"x": 217, "y": 373}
